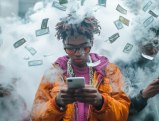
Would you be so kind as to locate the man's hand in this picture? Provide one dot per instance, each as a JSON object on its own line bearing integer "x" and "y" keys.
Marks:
{"x": 89, "y": 95}
{"x": 65, "y": 96}
{"x": 5, "y": 91}
{"x": 151, "y": 90}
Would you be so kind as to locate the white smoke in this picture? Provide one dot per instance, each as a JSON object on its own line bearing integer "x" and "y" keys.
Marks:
{"x": 15, "y": 28}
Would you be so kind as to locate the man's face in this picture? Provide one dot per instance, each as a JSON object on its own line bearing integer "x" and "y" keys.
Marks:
{"x": 78, "y": 58}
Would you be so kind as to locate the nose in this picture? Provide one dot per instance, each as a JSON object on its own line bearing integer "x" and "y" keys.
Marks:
{"x": 78, "y": 52}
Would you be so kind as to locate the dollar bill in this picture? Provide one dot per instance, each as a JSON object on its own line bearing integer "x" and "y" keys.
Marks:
{"x": 44, "y": 23}
{"x": 48, "y": 55}
{"x": 82, "y": 2}
{"x": 93, "y": 64}
{"x": 121, "y": 10}
{"x": 114, "y": 37}
{"x": 145, "y": 8}
{"x": 63, "y": 1}
{"x": 128, "y": 48}
{"x": 102, "y": 3}
{"x": 148, "y": 21}
{"x": 41, "y": 32}
{"x": 124, "y": 20}
{"x": 96, "y": 7}
{"x": 19, "y": 43}
{"x": 153, "y": 14}
{"x": 26, "y": 57}
{"x": 1, "y": 42}
{"x": 31, "y": 49}
{"x": 35, "y": 63}
{"x": 0, "y": 30}
{"x": 126, "y": 90}
{"x": 58, "y": 6}
{"x": 118, "y": 25}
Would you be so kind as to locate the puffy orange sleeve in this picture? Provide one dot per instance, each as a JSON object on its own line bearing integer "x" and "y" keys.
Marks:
{"x": 44, "y": 106}
{"x": 116, "y": 102}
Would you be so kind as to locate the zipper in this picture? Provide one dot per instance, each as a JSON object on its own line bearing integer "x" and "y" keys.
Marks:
{"x": 97, "y": 86}
{"x": 75, "y": 117}
{"x": 88, "y": 113}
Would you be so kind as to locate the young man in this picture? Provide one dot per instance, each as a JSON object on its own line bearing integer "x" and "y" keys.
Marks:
{"x": 150, "y": 49}
{"x": 103, "y": 98}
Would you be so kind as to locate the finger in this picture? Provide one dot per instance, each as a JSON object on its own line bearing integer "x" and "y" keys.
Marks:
{"x": 89, "y": 90}
{"x": 69, "y": 102}
{"x": 85, "y": 95}
{"x": 65, "y": 95}
{"x": 85, "y": 100}
{"x": 156, "y": 81}
{"x": 68, "y": 99}
{"x": 68, "y": 90}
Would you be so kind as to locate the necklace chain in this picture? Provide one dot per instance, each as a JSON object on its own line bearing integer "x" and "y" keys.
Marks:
{"x": 71, "y": 73}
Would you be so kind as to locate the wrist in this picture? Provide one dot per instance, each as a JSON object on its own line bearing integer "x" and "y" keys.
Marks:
{"x": 57, "y": 102}
{"x": 98, "y": 107}
{"x": 143, "y": 94}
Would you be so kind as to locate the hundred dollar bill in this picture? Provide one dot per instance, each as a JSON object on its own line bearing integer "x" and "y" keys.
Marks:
{"x": 114, "y": 37}
{"x": 82, "y": 2}
{"x": 48, "y": 55}
{"x": 153, "y": 14}
{"x": 102, "y": 3}
{"x": 26, "y": 57}
{"x": 19, "y": 43}
{"x": 121, "y": 10}
{"x": 31, "y": 49}
{"x": 128, "y": 48}
{"x": 35, "y": 63}
{"x": 93, "y": 64}
{"x": 96, "y": 7}
{"x": 148, "y": 21}
{"x": 41, "y": 32}
{"x": 124, "y": 20}
{"x": 1, "y": 42}
{"x": 0, "y": 30}
{"x": 57, "y": 5}
{"x": 44, "y": 23}
{"x": 145, "y": 8}
{"x": 118, "y": 25}
{"x": 63, "y": 1}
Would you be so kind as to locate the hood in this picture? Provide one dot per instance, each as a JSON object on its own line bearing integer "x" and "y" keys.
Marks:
{"x": 62, "y": 61}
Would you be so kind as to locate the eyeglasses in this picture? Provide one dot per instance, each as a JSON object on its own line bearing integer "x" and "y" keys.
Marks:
{"x": 72, "y": 50}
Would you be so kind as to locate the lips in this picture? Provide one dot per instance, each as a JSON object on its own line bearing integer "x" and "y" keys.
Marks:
{"x": 78, "y": 60}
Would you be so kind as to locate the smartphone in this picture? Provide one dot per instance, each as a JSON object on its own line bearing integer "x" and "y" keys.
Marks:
{"x": 75, "y": 82}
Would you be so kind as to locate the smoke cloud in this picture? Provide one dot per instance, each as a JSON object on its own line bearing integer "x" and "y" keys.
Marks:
{"x": 15, "y": 28}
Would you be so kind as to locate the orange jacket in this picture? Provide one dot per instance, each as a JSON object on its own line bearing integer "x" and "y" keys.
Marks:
{"x": 116, "y": 102}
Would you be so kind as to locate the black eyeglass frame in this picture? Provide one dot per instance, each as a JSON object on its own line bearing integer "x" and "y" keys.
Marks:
{"x": 76, "y": 49}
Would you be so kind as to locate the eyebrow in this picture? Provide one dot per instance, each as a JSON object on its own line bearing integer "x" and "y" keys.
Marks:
{"x": 78, "y": 45}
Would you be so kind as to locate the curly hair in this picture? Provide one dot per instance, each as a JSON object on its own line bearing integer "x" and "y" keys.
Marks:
{"x": 88, "y": 26}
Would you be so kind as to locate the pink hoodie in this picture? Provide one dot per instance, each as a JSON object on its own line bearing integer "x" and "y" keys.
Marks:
{"x": 83, "y": 108}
